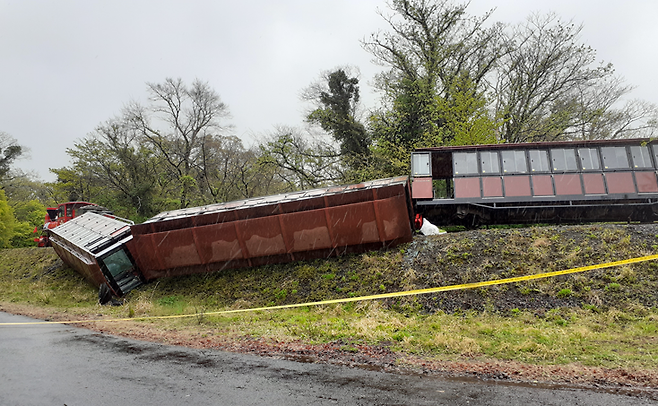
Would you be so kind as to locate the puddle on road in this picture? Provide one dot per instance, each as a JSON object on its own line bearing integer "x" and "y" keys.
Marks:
{"x": 147, "y": 351}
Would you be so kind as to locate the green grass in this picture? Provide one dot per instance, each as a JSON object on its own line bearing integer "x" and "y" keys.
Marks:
{"x": 36, "y": 276}
{"x": 606, "y": 339}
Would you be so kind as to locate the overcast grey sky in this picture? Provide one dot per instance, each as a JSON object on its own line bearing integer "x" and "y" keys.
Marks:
{"x": 68, "y": 65}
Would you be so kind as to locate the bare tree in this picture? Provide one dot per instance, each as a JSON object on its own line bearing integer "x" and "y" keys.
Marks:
{"x": 9, "y": 152}
{"x": 177, "y": 124}
{"x": 302, "y": 161}
{"x": 221, "y": 170}
{"x": 600, "y": 112}
{"x": 549, "y": 86}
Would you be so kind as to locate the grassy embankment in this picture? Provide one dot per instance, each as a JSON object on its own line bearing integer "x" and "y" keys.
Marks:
{"x": 606, "y": 318}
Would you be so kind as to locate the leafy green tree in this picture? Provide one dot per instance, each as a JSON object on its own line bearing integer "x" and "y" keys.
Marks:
{"x": 23, "y": 187}
{"x": 337, "y": 103}
{"x": 411, "y": 118}
{"x": 32, "y": 212}
{"x": 122, "y": 170}
{"x": 29, "y": 216}
{"x": 7, "y": 221}
{"x": 420, "y": 119}
{"x": 75, "y": 183}
{"x": 465, "y": 116}
{"x": 451, "y": 80}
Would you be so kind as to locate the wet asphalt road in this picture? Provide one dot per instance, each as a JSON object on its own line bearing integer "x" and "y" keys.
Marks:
{"x": 62, "y": 365}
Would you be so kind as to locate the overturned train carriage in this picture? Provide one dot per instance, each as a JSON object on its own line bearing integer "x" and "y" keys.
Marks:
{"x": 94, "y": 245}
{"x": 549, "y": 182}
{"x": 303, "y": 225}
{"x": 310, "y": 224}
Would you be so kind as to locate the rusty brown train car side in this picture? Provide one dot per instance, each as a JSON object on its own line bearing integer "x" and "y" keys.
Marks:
{"x": 303, "y": 225}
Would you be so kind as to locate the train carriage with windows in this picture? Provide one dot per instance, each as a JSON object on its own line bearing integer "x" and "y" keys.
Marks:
{"x": 548, "y": 182}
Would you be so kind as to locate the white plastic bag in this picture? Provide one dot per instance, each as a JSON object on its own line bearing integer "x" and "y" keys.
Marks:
{"x": 430, "y": 229}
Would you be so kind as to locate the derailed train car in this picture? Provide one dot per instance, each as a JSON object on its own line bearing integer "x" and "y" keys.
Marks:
{"x": 556, "y": 182}
{"x": 94, "y": 245}
{"x": 310, "y": 224}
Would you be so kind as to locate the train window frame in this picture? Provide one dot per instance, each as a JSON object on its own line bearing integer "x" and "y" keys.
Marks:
{"x": 543, "y": 163}
{"x": 612, "y": 162}
{"x": 646, "y": 160}
{"x": 568, "y": 163}
{"x": 116, "y": 261}
{"x": 654, "y": 152}
{"x": 489, "y": 162}
{"x": 589, "y": 159}
{"x": 470, "y": 161}
{"x": 515, "y": 162}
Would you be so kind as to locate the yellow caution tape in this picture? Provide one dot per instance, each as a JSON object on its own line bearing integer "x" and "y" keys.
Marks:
{"x": 370, "y": 297}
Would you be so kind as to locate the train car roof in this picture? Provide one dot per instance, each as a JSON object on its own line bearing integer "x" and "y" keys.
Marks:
{"x": 92, "y": 231}
{"x": 275, "y": 199}
{"x": 538, "y": 145}
{"x": 76, "y": 202}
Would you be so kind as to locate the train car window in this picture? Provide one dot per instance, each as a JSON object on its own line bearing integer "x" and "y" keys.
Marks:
{"x": 514, "y": 162}
{"x": 117, "y": 263}
{"x": 420, "y": 164}
{"x": 52, "y": 213}
{"x": 564, "y": 160}
{"x": 466, "y": 163}
{"x": 441, "y": 165}
{"x": 589, "y": 159}
{"x": 614, "y": 157}
{"x": 69, "y": 211}
{"x": 640, "y": 155}
{"x": 539, "y": 160}
{"x": 489, "y": 162}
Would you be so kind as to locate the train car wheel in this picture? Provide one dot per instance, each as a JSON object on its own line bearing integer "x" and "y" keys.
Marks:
{"x": 104, "y": 294}
{"x": 472, "y": 221}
